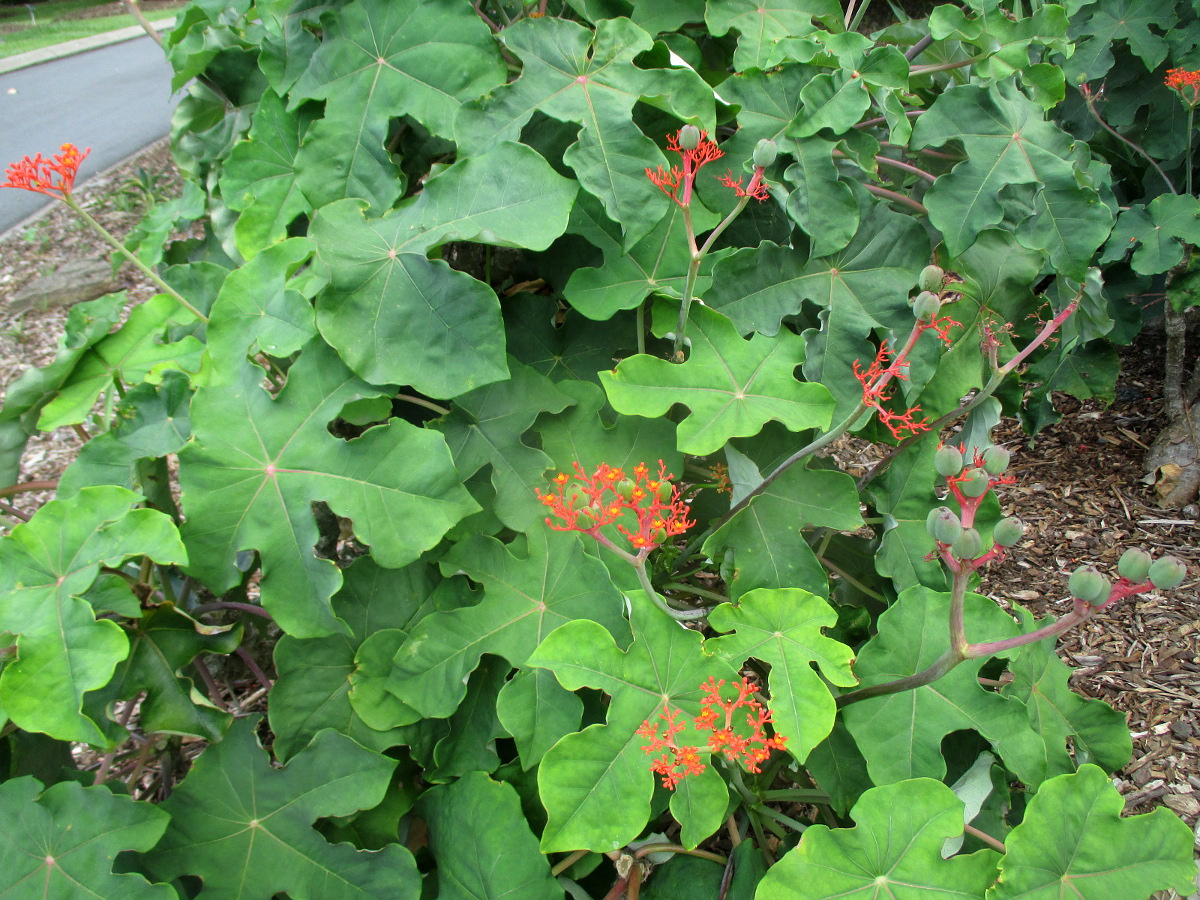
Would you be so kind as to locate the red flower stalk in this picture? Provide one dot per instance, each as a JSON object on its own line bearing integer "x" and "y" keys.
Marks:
{"x": 1186, "y": 84}
{"x": 941, "y": 327}
{"x": 587, "y": 503}
{"x": 669, "y": 182}
{"x": 52, "y": 177}
{"x": 874, "y": 380}
{"x": 757, "y": 188}
{"x": 729, "y": 738}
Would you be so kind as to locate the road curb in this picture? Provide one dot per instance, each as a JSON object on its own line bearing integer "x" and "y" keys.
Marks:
{"x": 79, "y": 45}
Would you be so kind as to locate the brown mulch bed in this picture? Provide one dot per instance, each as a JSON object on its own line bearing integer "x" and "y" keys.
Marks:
{"x": 1079, "y": 488}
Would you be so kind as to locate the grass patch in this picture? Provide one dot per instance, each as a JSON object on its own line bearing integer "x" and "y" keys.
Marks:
{"x": 65, "y": 20}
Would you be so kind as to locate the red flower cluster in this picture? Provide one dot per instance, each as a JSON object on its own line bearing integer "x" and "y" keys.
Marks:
{"x": 45, "y": 176}
{"x": 874, "y": 380}
{"x": 587, "y": 503}
{"x": 751, "y": 749}
{"x": 1186, "y": 84}
{"x": 757, "y": 188}
{"x": 669, "y": 182}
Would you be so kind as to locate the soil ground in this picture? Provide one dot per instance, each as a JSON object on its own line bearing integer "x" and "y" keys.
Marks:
{"x": 1078, "y": 487}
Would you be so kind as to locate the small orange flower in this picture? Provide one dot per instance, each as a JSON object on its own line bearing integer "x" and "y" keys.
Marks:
{"x": 52, "y": 177}
{"x": 1186, "y": 84}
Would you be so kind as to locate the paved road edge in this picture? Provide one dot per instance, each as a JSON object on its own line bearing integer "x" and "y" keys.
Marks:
{"x": 80, "y": 45}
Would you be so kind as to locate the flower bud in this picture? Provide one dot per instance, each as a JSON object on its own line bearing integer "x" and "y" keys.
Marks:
{"x": 975, "y": 483}
{"x": 1134, "y": 565}
{"x": 689, "y": 137}
{"x": 943, "y": 525}
{"x": 926, "y": 306}
{"x": 1089, "y": 585}
{"x": 1008, "y": 531}
{"x": 948, "y": 461}
{"x": 765, "y": 152}
{"x": 968, "y": 546}
{"x": 932, "y": 278}
{"x": 1166, "y": 572}
{"x": 995, "y": 460}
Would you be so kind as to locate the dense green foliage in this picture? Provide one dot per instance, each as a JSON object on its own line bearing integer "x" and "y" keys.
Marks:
{"x": 445, "y": 257}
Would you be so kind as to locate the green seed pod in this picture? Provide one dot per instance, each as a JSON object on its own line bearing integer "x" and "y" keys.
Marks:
{"x": 975, "y": 483}
{"x": 1134, "y": 565}
{"x": 665, "y": 491}
{"x": 573, "y": 495}
{"x": 765, "y": 152}
{"x": 926, "y": 306}
{"x": 625, "y": 488}
{"x": 995, "y": 460}
{"x": 943, "y": 525}
{"x": 689, "y": 137}
{"x": 1008, "y": 531}
{"x": 1089, "y": 585}
{"x": 932, "y": 278}
{"x": 1166, "y": 572}
{"x": 659, "y": 535}
{"x": 968, "y": 546}
{"x": 948, "y": 461}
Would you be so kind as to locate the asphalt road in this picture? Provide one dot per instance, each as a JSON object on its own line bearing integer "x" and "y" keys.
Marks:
{"x": 114, "y": 99}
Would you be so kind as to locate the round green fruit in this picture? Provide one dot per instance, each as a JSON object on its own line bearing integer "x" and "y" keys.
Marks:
{"x": 975, "y": 483}
{"x": 765, "y": 152}
{"x": 932, "y": 278}
{"x": 948, "y": 461}
{"x": 926, "y": 306}
{"x": 995, "y": 460}
{"x": 689, "y": 137}
{"x": 943, "y": 525}
{"x": 1134, "y": 565}
{"x": 1089, "y": 585}
{"x": 625, "y": 488}
{"x": 1008, "y": 531}
{"x": 1166, "y": 572}
{"x": 968, "y": 546}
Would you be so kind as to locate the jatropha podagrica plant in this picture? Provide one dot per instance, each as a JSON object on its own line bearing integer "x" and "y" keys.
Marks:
{"x": 519, "y": 239}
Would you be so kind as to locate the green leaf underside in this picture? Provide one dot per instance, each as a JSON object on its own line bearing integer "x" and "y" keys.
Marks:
{"x": 258, "y": 463}
{"x": 245, "y": 828}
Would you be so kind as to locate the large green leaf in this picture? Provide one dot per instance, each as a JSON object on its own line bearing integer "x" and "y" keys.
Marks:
{"x": 783, "y": 628}
{"x": 562, "y": 345}
{"x": 259, "y": 177}
{"x": 1074, "y": 843}
{"x": 62, "y": 844}
{"x": 504, "y": 859}
{"x": 396, "y": 316}
{"x": 760, "y": 26}
{"x": 821, "y": 204}
{"x": 1156, "y": 233}
{"x": 486, "y": 428}
{"x": 596, "y": 784}
{"x": 904, "y": 496}
{"x": 46, "y": 568}
{"x": 581, "y": 435}
{"x": 245, "y": 827}
{"x": 163, "y": 642}
{"x": 536, "y": 710}
{"x": 894, "y": 850}
{"x": 769, "y": 544}
{"x": 573, "y": 75}
{"x": 1003, "y": 40}
{"x": 732, "y": 386}
{"x": 256, "y": 465}
{"x": 1009, "y": 143}
{"x": 1093, "y": 730}
{"x": 312, "y": 691}
{"x": 901, "y": 734}
{"x": 526, "y": 596}
{"x": 1113, "y": 20}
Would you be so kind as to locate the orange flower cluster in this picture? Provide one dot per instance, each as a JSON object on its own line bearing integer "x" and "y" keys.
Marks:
{"x": 47, "y": 176}
{"x": 752, "y": 749}
{"x": 586, "y": 503}
{"x": 1186, "y": 84}
{"x": 756, "y": 189}
{"x": 669, "y": 182}
{"x": 875, "y": 393}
